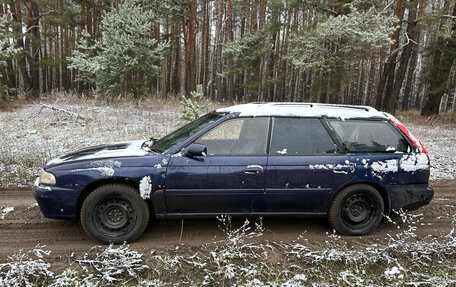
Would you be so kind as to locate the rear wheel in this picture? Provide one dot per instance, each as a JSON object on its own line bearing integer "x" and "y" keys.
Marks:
{"x": 356, "y": 210}
{"x": 114, "y": 213}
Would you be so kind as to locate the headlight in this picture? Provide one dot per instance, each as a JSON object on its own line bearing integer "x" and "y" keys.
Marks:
{"x": 47, "y": 178}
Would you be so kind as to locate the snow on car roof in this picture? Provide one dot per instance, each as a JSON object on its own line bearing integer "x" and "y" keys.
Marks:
{"x": 304, "y": 110}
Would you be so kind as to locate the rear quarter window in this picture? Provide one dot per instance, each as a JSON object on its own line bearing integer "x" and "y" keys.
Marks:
{"x": 369, "y": 136}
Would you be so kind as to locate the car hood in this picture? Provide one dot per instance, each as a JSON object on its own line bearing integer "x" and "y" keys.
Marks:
{"x": 122, "y": 149}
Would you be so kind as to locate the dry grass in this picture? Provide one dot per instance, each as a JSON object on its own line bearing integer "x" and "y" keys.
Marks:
{"x": 442, "y": 120}
{"x": 172, "y": 102}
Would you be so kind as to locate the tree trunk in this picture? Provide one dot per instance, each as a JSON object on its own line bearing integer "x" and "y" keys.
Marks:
{"x": 189, "y": 36}
{"x": 35, "y": 50}
{"x": 218, "y": 52}
{"x": 408, "y": 89}
{"x": 387, "y": 78}
{"x": 230, "y": 94}
{"x": 175, "y": 62}
{"x": 21, "y": 62}
{"x": 443, "y": 60}
{"x": 403, "y": 62}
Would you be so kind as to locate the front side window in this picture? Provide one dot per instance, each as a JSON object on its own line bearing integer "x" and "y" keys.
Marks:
{"x": 369, "y": 136}
{"x": 241, "y": 136}
{"x": 300, "y": 136}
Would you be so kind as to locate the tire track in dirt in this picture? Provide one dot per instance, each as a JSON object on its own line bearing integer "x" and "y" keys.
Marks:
{"x": 26, "y": 228}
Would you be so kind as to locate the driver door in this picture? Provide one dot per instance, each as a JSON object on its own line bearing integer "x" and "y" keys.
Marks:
{"x": 229, "y": 179}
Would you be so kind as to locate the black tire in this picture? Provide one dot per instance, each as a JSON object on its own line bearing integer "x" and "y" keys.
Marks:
{"x": 356, "y": 210}
{"x": 114, "y": 213}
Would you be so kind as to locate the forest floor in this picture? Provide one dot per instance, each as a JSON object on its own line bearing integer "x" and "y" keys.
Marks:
{"x": 414, "y": 248}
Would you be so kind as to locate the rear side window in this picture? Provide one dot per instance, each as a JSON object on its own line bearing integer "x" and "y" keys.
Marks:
{"x": 369, "y": 136}
{"x": 300, "y": 136}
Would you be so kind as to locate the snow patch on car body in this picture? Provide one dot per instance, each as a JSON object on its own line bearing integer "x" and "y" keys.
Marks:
{"x": 389, "y": 165}
{"x": 304, "y": 110}
{"x": 145, "y": 187}
{"x": 414, "y": 162}
{"x": 380, "y": 168}
{"x": 104, "y": 167}
{"x": 163, "y": 163}
{"x": 408, "y": 163}
{"x": 336, "y": 168}
{"x": 179, "y": 154}
{"x": 125, "y": 149}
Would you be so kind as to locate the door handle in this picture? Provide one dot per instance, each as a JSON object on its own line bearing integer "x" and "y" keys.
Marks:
{"x": 253, "y": 169}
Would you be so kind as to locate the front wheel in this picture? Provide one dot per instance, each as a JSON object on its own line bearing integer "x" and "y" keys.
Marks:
{"x": 356, "y": 210}
{"x": 114, "y": 213}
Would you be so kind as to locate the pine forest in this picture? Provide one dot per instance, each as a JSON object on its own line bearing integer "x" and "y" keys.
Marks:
{"x": 391, "y": 54}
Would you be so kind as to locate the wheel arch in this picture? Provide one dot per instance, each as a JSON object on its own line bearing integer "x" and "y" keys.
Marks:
{"x": 96, "y": 184}
{"x": 378, "y": 187}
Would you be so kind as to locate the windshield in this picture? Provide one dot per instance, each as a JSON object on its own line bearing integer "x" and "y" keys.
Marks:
{"x": 168, "y": 141}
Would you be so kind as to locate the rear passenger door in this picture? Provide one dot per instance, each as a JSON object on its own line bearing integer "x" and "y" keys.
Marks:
{"x": 305, "y": 166}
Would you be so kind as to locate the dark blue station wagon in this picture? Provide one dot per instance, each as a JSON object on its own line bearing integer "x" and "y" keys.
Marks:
{"x": 352, "y": 164}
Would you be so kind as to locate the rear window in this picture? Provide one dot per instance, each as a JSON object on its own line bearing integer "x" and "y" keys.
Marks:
{"x": 369, "y": 136}
{"x": 300, "y": 136}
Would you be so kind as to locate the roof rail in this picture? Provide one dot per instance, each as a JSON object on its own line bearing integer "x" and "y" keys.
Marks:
{"x": 293, "y": 104}
{"x": 347, "y": 106}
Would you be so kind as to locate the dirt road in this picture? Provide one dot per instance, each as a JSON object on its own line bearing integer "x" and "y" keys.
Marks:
{"x": 26, "y": 228}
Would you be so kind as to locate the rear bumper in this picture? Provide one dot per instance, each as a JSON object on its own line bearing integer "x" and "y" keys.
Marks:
{"x": 410, "y": 196}
{"x": 55, "y": 201}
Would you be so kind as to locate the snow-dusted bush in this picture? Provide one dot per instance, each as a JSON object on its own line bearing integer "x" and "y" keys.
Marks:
{"x": 104, "y": 266}
{"x": 68, "y": 278}
{"x": 25, "y": 268}
{"x": 112, "y": 264}
{"x": 232, "y": 260}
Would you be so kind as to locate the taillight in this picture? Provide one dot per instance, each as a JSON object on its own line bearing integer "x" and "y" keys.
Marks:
{"x": 409, "y": 134}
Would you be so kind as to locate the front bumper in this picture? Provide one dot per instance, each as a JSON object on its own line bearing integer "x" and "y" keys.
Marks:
{"x": 56, "y": 201}
{"x": 410, "y": 196}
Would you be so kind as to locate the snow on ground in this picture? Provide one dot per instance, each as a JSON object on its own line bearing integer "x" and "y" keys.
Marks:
{"x": 440, "y": 144}
{"x": 5, "y": 211}
{"x": 34, "y": 134}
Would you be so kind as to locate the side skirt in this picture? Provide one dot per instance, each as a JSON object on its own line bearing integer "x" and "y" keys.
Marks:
{"x": 242, "y": 214}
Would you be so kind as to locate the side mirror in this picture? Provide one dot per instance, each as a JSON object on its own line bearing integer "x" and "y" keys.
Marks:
{"x": 195, "y": 150}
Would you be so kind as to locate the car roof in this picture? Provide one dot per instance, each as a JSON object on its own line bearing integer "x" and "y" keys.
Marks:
{"x": 305, "y": 110}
